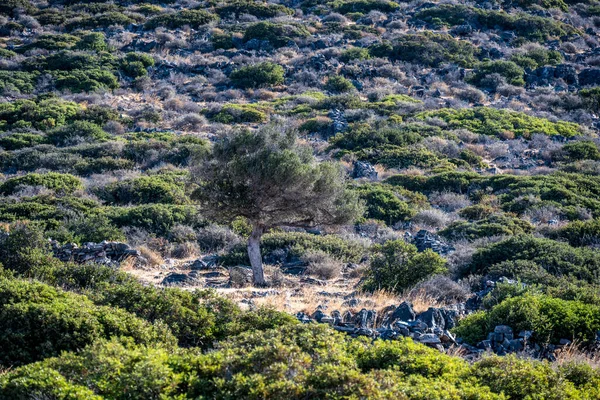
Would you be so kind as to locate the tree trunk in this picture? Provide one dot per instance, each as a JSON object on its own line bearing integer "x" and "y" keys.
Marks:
{"x": 258, "y": 276}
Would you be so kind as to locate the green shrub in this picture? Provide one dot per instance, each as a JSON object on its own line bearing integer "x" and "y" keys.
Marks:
{"x": 94, "y": 41}
{"x": 354, "y": 53}
{"x": 192, "y": 18}
{"x": 558, "y": 259}
{"x": 549, "y": 318}
{"x": 260, "y": 10}
{"x": 581, "y": 150}
{"x": 513, "y": 73}
{"x": 41, "y": 113}
{"x": 35, "y": 329}
{"x": 63, "y": 183}
{"x": 492, "y": 226}
{"x": 431, "y": 49}
{"x": 136, "y": 65}
{"x": 77, "y": 132}
{"x": 590, "y": 98}
{"x": 579, "y": 233}
{"x": 156, "y": 218}
{"x": 17, "y": 140}
{"x": 17, "y": 82}
{"x": 527, "y": 26}
{"x": 364, "y": 6}
{"x": 388, "y": 204}
{"x": 10, "y": 7}
{"x": 397, "y": 266}
{"x": 338, "y": 84}
{"x": 278, "y": 35}
{"x": 265, "y": 74}
{"x": 490, "y": 121}
{"x": 239, "y": 114}
{"x": 143, "y": 190}
{"x": 537, "y": 57}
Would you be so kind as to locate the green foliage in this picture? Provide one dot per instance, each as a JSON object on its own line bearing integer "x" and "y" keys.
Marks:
{"x": 550, "y": 319}
{"x": 239, "y": 114}
{"x": 581, "y": 150}
{"x": 51, "y": 42}
{"x": 94, "y": 41}
{"x": 431, "y": 49}
{"x": 492, "y": 226}
{"x": 41, "y": 113}
{"x": 295, "y": 245}
{"x": 192, "y": 18}
{"x": 17, "y": 140}
{"x": 397, "y": 266}
{"x": 136, "y": 65}
{"x": 278, "y": 35}
{"x": 525, "y": 25}
{"x": 39, "y": 322}
{"x": 591, "y": 98}
{"x": 558, "y": 259}
{"x": 536, "y": 57}
{"x": 388, "y": 204}
{"x": 17, "y": 81}
{"x": 156, "y": 218}
{"x": 163, "y": 189}
{"x": 493, "y": 122}
{"x": 354, "y": 53}
{"x": 512, "y": 72}
{"x": 338, "y": 84}
{"x": 77, "y": 132}
{"x": 10, "y": 7}
{"x": 364, "y": 6}
{"x": 63, "y": 183}
{"x": 260, "y": 10}
{"x": 265, "y": 74}
{"x": 579, "y": 233}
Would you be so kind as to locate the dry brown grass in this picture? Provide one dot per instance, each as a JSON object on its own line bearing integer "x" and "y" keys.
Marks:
{"x": 576, "y": 353}
{"x": 154, "y": 258}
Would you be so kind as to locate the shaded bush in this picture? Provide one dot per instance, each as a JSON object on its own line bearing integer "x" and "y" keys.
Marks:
{"x": 265, "y": 74}
{"x": 397, "y": 266}
{"x": 192, "y": 18}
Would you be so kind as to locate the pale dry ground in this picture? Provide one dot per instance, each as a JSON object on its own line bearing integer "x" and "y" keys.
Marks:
{"x": 295, "y": 293}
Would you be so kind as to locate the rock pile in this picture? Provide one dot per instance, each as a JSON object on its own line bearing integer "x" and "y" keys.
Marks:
{"x": 340, "y": 124}
{"x": 106, "y": 253}
{"x": 427, "y": 240}
{"x": 364, "y": 170}
{"x": 430, "y": 327}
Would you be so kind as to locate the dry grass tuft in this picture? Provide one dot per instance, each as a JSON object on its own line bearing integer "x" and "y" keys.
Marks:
{"x": 154, "y": 258}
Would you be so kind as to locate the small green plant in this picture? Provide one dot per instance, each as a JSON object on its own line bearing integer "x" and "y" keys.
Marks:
{"x": 397, "y": 266}
{"x": 265, "y": 74}
{"x": 338, "y": 84}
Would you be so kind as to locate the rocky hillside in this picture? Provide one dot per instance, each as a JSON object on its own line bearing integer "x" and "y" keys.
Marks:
{"x": 419, "y": 179}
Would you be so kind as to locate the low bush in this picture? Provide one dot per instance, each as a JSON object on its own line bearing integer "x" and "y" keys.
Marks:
{"x": 364, "y": 6}
{"x": 76, "y": 133}
{"x": 261, "y": 75}
{"x": 388, "y": 204}
{"x": 144, "y": 190}
{"x": 239, "y": 114}
{"x": 489, "y": 121}
{"x": 512, "y": 72}
{"x": 558, "y": 259}
{"x": 192, "y": 18}
{"x": 260, "y": 10}
{"x": 397, "y": 266}
{"x": 492, "y": 226}
{"x": 338, "y": 84}
{"x": 40, "y": 322}
{"x": 550, "y": 319}
{"x": 62, "y": 183}
{"x": 431, "y": 49}
{"x": 278, "y": 35}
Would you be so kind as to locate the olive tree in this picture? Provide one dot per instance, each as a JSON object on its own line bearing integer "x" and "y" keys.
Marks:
{"x": 270, "y": 179}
